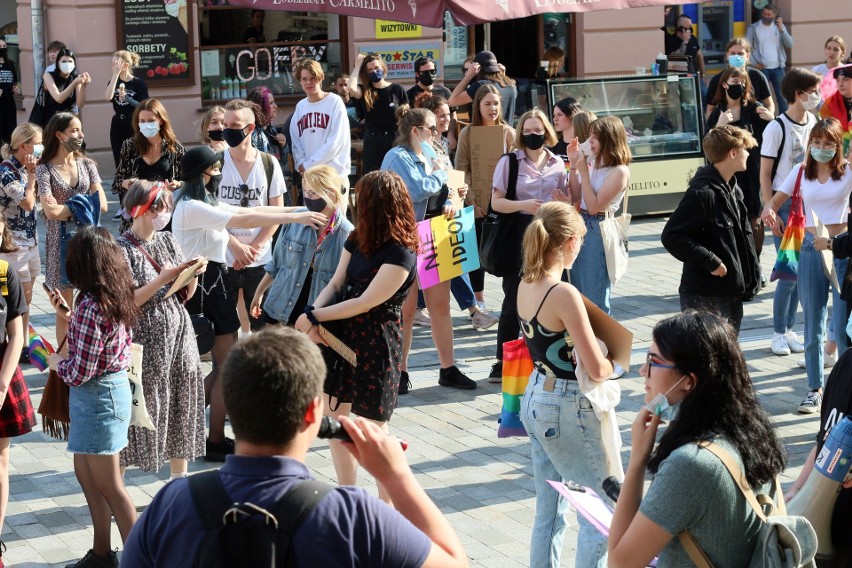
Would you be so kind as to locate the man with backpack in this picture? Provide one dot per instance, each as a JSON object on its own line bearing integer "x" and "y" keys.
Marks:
{"x": 275, "y": 402}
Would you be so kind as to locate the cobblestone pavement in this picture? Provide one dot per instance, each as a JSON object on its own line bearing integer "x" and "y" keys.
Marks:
{"x": 482, "y": 483}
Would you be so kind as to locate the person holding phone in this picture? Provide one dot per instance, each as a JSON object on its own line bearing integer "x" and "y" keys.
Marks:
{"x": 99, "y": 339}
{"x": 171, "y": 368}
{"x": 770, "y": 39}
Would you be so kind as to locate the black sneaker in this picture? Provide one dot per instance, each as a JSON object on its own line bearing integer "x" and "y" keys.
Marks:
{"x": 217, "y": 451}
{"x": 452, "y": 377}
{"x": 496, "y": 375}
{"x": 404, "y": 383}
{"x": 92, "y": 560}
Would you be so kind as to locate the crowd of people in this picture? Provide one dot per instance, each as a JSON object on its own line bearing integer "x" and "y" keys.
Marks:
{"x": 258, "y": 259}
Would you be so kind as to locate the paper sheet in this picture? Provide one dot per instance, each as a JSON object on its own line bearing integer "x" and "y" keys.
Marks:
{"x": 827, "y": 255}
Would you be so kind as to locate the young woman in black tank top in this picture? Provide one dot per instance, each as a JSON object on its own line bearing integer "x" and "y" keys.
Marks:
{"x": 565, "y": 434}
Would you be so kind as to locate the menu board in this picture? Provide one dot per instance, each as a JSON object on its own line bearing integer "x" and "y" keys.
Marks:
{"x": 159, "y": 31}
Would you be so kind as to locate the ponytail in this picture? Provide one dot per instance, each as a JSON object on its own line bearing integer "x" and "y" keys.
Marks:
{"x": 552, "y": 226}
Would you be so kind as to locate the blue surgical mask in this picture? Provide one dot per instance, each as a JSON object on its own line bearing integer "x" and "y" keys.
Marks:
{"x": 376, "y": 76}
{"x": 736, "y": 61}
{"x": 822, "y": 155}
{"x": 149, "y": 129}
{"x": 37, "y": 150}
{"x": 428, "y": 151}
{"x": 660, "y": 405}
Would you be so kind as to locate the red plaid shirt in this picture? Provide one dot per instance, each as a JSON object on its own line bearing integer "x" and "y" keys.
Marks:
{"x": 96, "y": 345}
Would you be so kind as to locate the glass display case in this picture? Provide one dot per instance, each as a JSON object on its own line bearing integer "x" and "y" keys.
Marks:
{"x": 664, "y": 123}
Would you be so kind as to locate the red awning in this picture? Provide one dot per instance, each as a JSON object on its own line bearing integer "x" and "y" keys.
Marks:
{"x": 430, "y": 13}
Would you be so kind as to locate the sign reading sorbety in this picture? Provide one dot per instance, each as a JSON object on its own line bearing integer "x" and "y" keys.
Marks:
{"x": 400, "y": 56}
{"x": 447, "y": 248}
{"x": 159, "y": 32}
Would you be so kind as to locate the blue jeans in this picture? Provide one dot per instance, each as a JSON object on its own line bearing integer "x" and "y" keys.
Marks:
{"x": 566, "y": 444}
{"x": 462, "y": 292}
{"x": 785, "y": 302}
{"x": 813, "y": 293}
{"x": 589, "y": 274}
{"x": 774, "y": 76}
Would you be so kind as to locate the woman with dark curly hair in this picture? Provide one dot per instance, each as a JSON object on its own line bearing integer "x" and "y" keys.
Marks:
{"x": 696, "y": 378}
{"x": 362, "y": 306}
{"x": 96, "y": 370}
{"x": 265, "y": 136}
{"x": 152, "y": 154}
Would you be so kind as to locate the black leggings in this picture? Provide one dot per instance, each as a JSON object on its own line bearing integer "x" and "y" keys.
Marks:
{"x": 376, "y": 145}
{"x": 509, "y": 327}
{"x": 477, "y": 277}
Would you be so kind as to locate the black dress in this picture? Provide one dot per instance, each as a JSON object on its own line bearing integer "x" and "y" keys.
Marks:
{"x": 8, "y": 119}
{"x": 375, "y": 337}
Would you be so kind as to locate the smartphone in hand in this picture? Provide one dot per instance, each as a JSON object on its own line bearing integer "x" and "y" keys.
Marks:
{"x": 51, "y": 293}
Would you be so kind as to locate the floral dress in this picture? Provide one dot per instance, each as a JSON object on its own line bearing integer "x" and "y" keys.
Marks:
{"x": 49, "y": 182}
{"x": 375, "y": 336}
{"x": 171, "y": 369}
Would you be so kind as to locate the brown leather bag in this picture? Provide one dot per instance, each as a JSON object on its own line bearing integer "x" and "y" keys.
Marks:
{"x": 55, "y": 417}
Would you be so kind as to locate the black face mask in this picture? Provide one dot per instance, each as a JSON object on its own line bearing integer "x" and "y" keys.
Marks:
{"x": 234, "y": 136}
{"x": 426, "y": 77}
{"x": 315, "y": 205}
{"x": 533, "y": 141}
{"x": 735, "y": 91}
{"x": 213, "y": 184}
{"x": 3, "y": 51}
{"x": 216, "y": 135}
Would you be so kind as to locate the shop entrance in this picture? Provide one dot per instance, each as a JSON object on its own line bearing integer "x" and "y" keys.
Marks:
{"x": 516, "y": 43}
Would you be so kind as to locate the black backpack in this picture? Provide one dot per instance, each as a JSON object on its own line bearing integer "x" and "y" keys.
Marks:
{"x": 243, "y": 534}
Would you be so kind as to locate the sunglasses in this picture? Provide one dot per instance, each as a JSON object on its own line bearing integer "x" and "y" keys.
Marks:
{"x": 433, "y": 129}
{"x": 684, "y": 29}
{"x": 244, "y": 200}
{"x": 651, "y": 363}
{"x": 843, "y": 72}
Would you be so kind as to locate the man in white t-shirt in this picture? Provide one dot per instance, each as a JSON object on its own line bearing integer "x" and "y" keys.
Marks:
{"x": 784, "y": 142}
{"x": 319, "y": 129}
{"x": 248, "y": 180}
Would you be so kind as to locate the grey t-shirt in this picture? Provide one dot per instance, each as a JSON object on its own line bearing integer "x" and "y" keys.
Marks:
{"x": 693, "y": 490}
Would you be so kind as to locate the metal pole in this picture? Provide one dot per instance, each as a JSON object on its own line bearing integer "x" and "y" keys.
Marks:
{"x": 38, "y": 43}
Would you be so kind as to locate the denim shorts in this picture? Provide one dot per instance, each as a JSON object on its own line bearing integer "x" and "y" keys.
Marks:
{"x": 100, "y": 415}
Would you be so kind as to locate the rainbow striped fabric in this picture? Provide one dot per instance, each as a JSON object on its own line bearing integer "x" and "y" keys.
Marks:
{"x": 517, "y": 368}
{"x": 39, "y": 349}
{"x": 787, "y": 262}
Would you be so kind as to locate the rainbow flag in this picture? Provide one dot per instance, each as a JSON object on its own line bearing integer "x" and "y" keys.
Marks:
{"x": 517, "y": 368}
{"x": 39, "y": 349}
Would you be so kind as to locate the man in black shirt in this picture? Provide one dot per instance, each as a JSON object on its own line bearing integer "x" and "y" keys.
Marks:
{"x": 836, "y": 403}
{"x": 424, "y": 73}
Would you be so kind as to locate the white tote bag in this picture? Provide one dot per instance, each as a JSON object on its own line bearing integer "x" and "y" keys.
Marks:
{"x": 614, "y": 236}
{"x": 138, "y": 411}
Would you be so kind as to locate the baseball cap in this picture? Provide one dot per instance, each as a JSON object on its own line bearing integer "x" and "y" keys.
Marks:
{"x": 487, "y": 61}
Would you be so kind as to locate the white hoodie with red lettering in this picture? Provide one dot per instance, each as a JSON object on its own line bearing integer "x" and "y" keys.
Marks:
{"x": 319, "y": 134}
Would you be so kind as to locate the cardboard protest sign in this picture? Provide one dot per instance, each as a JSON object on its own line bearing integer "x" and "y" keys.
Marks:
{"x": 486, "y": 147}
{"x": 448, "y": 248}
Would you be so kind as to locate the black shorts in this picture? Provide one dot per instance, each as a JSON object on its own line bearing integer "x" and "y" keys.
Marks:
{"x": 247, "y": 280}
{"x": 214, "y": 299}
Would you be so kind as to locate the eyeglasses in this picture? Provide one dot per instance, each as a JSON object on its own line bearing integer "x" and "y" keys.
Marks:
{"x": 244, "y": 190}
{"x": 651, "y": 363}
{"x": 823, "y": 145}
{"x": 432, "y": 129}
{"x": 684, "y": 29}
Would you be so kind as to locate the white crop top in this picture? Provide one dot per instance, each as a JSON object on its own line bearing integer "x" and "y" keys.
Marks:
{"x": 598, "y": 177}
{"x": 829, "y": 200}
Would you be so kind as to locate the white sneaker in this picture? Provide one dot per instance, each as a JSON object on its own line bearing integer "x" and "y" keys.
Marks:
{"x": 779, "y": 344}
{"x": 617, "y": 371}
{"x": 482, "y": 320}
{"x": 421, "y": 318}
{"x": 828, "y": 361}
{"x": 793, "y": 342}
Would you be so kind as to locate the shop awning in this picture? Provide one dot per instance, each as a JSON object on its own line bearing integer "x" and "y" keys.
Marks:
{"x": 431, "y": 12}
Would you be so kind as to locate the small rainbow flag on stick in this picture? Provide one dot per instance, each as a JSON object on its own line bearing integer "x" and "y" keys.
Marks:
{"x": 39, "y": 349}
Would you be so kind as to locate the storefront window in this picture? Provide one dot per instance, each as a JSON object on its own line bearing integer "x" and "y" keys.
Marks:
{"x": 242, "y": 49}
{"x": 455, "y": 48}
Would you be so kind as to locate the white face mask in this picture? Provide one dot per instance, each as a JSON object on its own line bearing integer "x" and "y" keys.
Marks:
{"x": 161, "y": 220}
{"x": 813, "y": 101}
{"x": 66, "y": 67}
{"x": 149, "y": 129}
